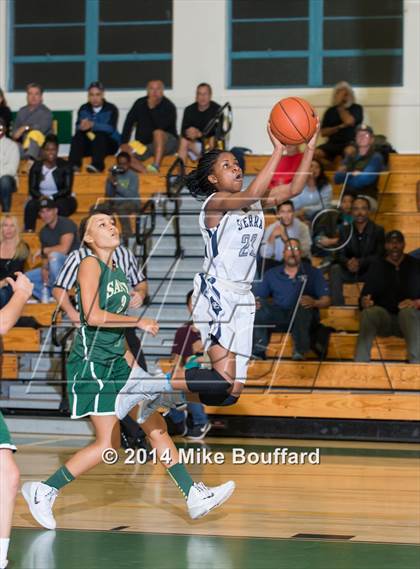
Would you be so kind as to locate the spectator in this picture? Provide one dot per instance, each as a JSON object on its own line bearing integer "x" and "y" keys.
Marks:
{"x": 156, "y": 135}
{"x": 13, "y": 254}
{"x": 360, "y": 172}
{"x": 196, "y": 117}
{"x": 32, "y": 124}
{"x": 391, "y": 300}
{"x": 316, "y": 195}
{"x": 365, "y": 246}
{"x": 284, "y": 285}
{"x": 187, "y": 350}
{"x": 277, "y": 234}
{"x": 339, "y": 122}
{"x": 123, "y": 258}
{"x": 51, "y": 177}
{"x": 58, "y": 238}
{"x": 5, "y": 113}
{"x": 9, "y": 164}
{"x": 287, "y": 166}
{"x": 332, "y": 229}
{"x": 122, "y": 186}
{"x": 96, "y": 131}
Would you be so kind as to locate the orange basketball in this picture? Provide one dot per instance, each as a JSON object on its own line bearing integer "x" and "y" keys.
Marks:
{"x": 293, "y": 120}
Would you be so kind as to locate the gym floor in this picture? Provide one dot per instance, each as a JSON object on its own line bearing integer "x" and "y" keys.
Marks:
{"x": 359, "y": 508}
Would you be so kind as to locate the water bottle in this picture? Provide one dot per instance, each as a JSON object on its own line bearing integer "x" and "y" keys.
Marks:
{"x": 45, "y": 295}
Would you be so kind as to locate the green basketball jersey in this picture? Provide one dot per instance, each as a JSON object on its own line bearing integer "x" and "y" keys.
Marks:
{"x": 98, "y": 344}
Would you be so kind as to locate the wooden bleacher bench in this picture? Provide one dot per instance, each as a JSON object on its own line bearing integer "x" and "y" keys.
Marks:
{"x": 8, "y": 367}
{"x": 41, "y": 312}
{"x": 328, "y": 391}
{"x": 404, "y": 162}
{"x": 342, "y": 347}
{"x": 21, "y": 340}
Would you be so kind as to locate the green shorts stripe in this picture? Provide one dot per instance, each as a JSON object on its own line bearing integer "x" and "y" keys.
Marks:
{"x": 5, "y": 438}
{"x": 93, "y": 387}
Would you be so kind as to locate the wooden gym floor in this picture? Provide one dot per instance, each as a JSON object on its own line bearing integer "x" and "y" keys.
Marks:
{"x": 359, "y": 508}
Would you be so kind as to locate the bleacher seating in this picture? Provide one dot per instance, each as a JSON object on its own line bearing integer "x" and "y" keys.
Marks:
{"x": 356, "y": 383}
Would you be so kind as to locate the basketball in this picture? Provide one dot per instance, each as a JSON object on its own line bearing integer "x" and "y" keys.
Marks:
{"x": 293, "y": 120}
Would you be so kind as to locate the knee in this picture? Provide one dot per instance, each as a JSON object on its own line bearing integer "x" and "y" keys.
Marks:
{"x": 157, "y": 434}
{"x": 159, "y": 134}
{"x": 10, "y": 473}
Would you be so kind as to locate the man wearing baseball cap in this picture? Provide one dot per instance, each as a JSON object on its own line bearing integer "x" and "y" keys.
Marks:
{"x": 360, "y": 172}
{"x": 58, "y": 237}
{"x": 390, "y": 300}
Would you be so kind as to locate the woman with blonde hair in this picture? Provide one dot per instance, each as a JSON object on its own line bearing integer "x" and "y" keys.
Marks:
{"x": 339, "y": 122}
{"x": 13, "y": 254}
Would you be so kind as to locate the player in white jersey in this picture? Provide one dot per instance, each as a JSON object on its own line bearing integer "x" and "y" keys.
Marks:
{"x": 232, "y": 225}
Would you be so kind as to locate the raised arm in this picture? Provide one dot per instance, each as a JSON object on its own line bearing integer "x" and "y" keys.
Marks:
{"x": 286, "y": 191}
{"x": 226, "y": 201}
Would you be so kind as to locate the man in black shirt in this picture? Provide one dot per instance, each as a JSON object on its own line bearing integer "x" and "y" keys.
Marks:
{"x": 365, "y": 246}
{"x": 196, "y": 118}
{"x": 156, "y": 134}
{"x": 391, "y": 300}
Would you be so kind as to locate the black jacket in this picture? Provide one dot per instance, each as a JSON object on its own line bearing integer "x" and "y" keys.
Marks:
{"x": 63, "y": 176}
{"x": 367, "y": 246}
{"x": 388, "y": 285}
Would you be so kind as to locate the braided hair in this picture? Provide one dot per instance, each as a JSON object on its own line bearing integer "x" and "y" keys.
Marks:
{"x": 197, "y": 181}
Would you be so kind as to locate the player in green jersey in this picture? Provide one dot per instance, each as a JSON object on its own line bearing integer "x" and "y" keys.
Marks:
{"x": 9, "y": 473}
{"x": 97, "y": 369}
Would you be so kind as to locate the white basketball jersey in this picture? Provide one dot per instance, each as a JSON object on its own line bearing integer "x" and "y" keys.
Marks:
{"x": 231, "y": 247}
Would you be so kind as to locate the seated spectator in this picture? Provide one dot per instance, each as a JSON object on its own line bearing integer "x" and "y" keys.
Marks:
{"x": 96, "y": 131}
{"x": 196, "y": 117}
{"x": 32, "y": 124}
{"x": 13, "y": 254}
{"x": 277, "y": 235}
{"x": 331, "y": 229}
{"x": 9, "y": 165}
{"x": 316, "y": 195}
{"x": 365, "y": 246}
{"x": 187, "y": 350}
{"x": 122, "y": 186}
{"x": 287, "y": 166}
{"x": 50, "y": 177}
{"x": 156, "y": 135}
{"x": 360, "y": 172}
{"x": 390, "y": 300}
{"x": 284, "y": 285}
{"x": 58, "y": 237}
{"x": 339, "y": 123}
{"x": 5, "y": 113}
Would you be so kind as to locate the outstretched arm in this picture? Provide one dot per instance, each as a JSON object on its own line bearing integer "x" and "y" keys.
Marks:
{"x": 286, "y": 191}
{"x": 225, "y": 201}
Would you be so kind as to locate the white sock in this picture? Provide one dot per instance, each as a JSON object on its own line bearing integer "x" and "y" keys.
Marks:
{"x": 4, "y": 548}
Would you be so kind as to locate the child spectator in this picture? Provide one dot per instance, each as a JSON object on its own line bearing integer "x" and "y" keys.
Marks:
{"x": 287, "y": 166}
{"x": 187, "y": 350}
{"x": 122, "y": 187}
{"x": 52, "y": 178}
{"x": 390, "y": 300}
